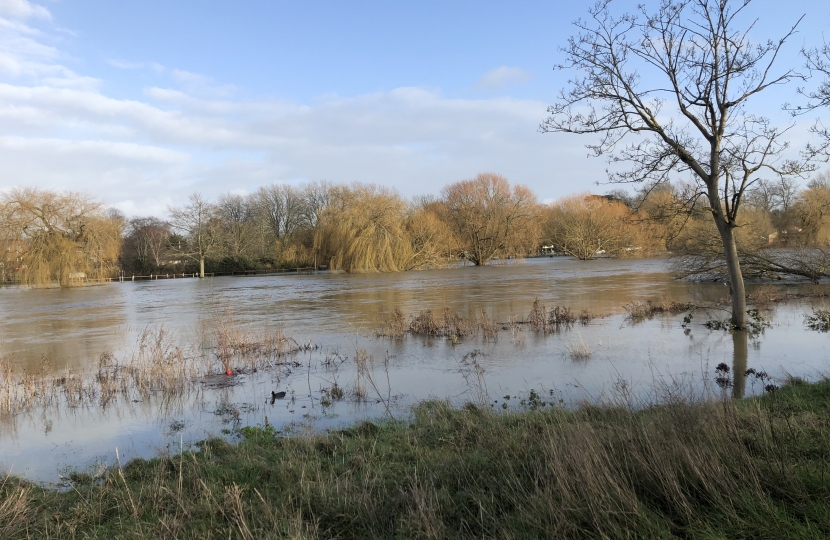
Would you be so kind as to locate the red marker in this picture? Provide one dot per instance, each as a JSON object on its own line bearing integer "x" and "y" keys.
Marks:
{"x": 229, "y": 372}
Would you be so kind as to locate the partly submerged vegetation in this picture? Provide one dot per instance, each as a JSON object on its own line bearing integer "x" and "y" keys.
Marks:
{"x": 685, "y": 468}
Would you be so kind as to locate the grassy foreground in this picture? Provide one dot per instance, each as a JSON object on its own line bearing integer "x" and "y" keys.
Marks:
{"x": 756, "y": 468}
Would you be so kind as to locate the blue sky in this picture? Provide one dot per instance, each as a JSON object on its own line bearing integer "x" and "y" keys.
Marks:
{"x": 142, "y": 103}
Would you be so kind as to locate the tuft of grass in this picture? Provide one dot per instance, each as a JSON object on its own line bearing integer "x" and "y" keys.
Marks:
{"x": 764, "y": 294}
{"x": 578, "y": 350}
{"x": 394, "y": 325}
{"x": 819, "y": 320}
{"x": 446, "y": 323}
{"x": 756, "y": 468}
{"x": 640, "y": 310}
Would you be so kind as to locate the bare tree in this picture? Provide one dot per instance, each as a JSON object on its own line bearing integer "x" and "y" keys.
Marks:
{"x": 197, "y": 221}
{"x": 281, "y": 209}
{"x": 316, "y": 198}
{"x": 148, "y": 237}
{"x": 818, "y": 62}
{"x": 682, "y": 79}
{"x": 236, "y": 214}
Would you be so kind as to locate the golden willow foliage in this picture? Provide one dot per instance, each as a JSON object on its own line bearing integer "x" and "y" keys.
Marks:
{"x": 58, "y": 237}
{"x": 491, "y": 219}
{"x": 367, "y": 228}
{"x": 812, "y": 211}
{"x": 586, "y": 225}
{"x": 699, "y": 236}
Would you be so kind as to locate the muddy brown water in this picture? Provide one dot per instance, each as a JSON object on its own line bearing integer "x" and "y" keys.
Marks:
{"x": 341, "y": 313}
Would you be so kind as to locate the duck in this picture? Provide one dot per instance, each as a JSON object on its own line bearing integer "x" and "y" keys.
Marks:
{"x": 276, "y": 395}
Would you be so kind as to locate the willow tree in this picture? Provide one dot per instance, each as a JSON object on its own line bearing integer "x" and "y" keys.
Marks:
{"x": 364, "y": 229}
{"x": 586, "y": 225}
{"x": 492, "y": 219}
{"x": 61, "y": 237}
{"x": 682, "y": 79}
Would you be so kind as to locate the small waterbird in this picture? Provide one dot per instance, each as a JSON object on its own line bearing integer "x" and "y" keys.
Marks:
{"x": 276, "y": 395}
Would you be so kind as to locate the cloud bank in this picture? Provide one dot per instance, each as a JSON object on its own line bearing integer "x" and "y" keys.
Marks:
{"x": 58, "y": 130}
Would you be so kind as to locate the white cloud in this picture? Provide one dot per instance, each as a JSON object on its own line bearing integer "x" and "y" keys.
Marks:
{"x": 125, "y": 64}
{"x": 202, "y": 85}
{"x": 59, "y": 130}
{"x": 503, "y": 76}
{"x": 23, "y": 9}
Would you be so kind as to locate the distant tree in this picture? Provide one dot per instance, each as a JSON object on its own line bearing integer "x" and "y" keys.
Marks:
{"x": 147, "y": 238}
{"x": 367, "y": 228}
{"x": 281, "y": 208}
{"x": 586, "y": 225}
{"x": 812, "y": 212}
{"x": 774, "y": 197}
{"x": 199, "y": 225}
{"x": 61, "y": 237}
{"x": 238, "y": 228}
{"x": 491, "y": 219}
{"x": 694, "y": 56}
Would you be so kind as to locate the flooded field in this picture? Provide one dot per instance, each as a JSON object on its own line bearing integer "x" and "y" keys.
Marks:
{"x": 321, "y": 363}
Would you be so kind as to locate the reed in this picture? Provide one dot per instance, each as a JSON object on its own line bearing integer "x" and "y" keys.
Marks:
{"x": 578, "y": 350}
{"x": 640, "y": 310}
{"x": 158, "y": 368}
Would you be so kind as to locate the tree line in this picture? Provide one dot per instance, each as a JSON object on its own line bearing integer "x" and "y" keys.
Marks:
{"x": 50, "y": 237}
{"x": 66, "y": 238}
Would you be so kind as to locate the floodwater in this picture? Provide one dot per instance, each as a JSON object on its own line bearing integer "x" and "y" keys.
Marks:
{"x": 341, "y": 314}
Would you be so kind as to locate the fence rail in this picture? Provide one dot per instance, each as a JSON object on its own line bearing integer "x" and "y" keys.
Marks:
{"x": 9, "y": 280}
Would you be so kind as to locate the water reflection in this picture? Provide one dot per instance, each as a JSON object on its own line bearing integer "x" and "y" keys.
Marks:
{"x": 740, "y": 354}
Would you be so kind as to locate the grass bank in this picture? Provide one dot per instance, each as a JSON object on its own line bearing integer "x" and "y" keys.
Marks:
{"x": 756, "y": 468}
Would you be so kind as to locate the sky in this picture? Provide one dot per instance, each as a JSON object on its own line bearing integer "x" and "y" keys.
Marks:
{"x": 143, "y": 103}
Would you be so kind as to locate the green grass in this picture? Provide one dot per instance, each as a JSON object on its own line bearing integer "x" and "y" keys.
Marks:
{"x": 756, "y": 468}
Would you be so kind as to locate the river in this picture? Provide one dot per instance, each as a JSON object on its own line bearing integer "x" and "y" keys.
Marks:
{"x": 341, "y": 314}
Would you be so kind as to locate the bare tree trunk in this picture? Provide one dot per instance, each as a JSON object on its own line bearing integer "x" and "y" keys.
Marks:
{"x": 201, "y": 268}
{"x": 736, "y": 278}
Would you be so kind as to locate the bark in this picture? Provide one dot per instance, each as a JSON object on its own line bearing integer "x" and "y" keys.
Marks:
{"x": 201, "y": 268}
{"x": 736, "y": 278}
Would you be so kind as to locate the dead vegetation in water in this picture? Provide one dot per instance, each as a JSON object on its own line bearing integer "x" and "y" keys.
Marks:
{"x": 158, "y": 367}
{"x": 445, "y": 323}
{"x": 764, "y": 294}
{"x": 253, "y": 347}
{"x": 449, "y": 324}
{"x": 557, "y": 318}
{"x": 641, "y": 310}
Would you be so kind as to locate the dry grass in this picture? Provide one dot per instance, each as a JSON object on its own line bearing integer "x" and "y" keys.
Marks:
{"x": 747, "y": 469}
{"x": 578, "y": 350}
{"x": 640, "y": 310}
{"x": 447, "y": 323}
{"x": 487, "y": 326}
{"x": 763, "y": 295}
{"x": 557, "y": 319}
{"x": 395, "y": 325}
{"x": 159, "y": 367}
{"x": 235, "y": 342}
